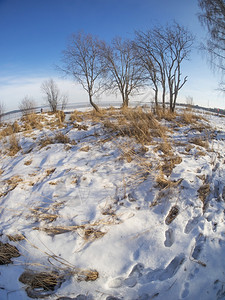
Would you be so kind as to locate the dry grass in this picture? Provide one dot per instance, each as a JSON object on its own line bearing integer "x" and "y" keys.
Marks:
{"x": 44, "y": 283}
{"x": 50, "y": 171}
{"x": 87, "y": 275}
{"x": 16, "y": 237}
{"x": 189, "y": 147}
{"x": 85, "y": 149}
{"x": 61, "y": 138}
{"x": 169, "y": 163}
{"x": 14, "y": 146}
{"x": 42, "y": 214}
{"x": 76, "y": 116}
{"x": 200, "y": 153}
{"x": 88, "y": 233}
{"x": 60, "y": 116}
{"x": 165, "y": 114}
{"x": 164, "y": 183}
{"x": 7, "y": 131}
{"x": 203, "y": 192}
{"x": 33, "y": 121}
{"x": 14, "y": 181}
{"x": 91, "y": 234}
{"x": 7, "y": 252}
{"x": 173, "y": 213}
{"x": 188, "y": 117}
{"x": 80, "y": 127}
{"x": 27, "y": 127}
{"x": 16, "y": 128}
{"x": 165, "y": 147}
{"x": 199, "y": 141}
{"x": 41, "y": 284}
{"x": 135, "y": 123}
{"x": 11, "y": 184}
{"x": 45, "y": 142}
{"x": 28, "y": 162}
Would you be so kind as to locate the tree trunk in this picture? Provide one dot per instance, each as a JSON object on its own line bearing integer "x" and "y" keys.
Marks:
{"x": 164, "y": 98}
{"x": 174, "y": 100}
{"x": 93, "y": 104}
{"x": 171, "y": 101}
{"x": 156, "y": 96}
{"x": 125, "y": 100}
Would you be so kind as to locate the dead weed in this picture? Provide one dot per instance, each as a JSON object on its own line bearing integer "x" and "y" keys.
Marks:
{"x": 7, "y": 252}
{"x": 40, "y": 284}
{"x": 200, "y": 141}
{"x": 14, "y": 146}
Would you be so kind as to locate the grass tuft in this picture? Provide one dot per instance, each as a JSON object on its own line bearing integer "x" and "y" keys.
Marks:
{"x": 14, "y": 146}
{"x": 7, "y": 252}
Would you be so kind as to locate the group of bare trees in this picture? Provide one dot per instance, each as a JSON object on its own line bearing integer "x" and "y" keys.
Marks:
{"x": 53, "y": 97}
{"x": 161, "y": 52}
{"x": 153, "y": 57}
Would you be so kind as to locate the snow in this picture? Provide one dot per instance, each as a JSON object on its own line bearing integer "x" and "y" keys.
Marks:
{"x": 88, "y": 185}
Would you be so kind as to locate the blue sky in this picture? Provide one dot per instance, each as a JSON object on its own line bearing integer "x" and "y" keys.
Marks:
{"x": 34, "y": 32}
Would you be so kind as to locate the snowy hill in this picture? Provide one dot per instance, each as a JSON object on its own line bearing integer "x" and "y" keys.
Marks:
{"x": 116, "y": 205}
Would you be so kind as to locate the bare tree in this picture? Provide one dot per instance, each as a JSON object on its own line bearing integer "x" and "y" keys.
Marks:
{"x": 151, "y": 49}
{"x": 162, "y": 51}
{"x": 27, "y": 105}
{"x": 189, "y": 101}
{"x": 82, "y": 61}
{"x": 53, "y": 96}
{"x": 2, "y": 110}
{"x": 122, "y": 70}
{"x": 180, "y": 42}
{"x": 213, "y": 17}
{"x": 64, "y": 102}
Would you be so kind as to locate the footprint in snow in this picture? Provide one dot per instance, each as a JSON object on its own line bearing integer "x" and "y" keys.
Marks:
{"x": 167, "y": 273}
{"x": 170, "y": 238}
{"x": 185, "y": 291}
{"x": 173, "y": 213}
{"x": 131, "y": 280}
{"x": 199, "y": 244}
{"x": 137, "y": 274}
{"x": 191, "y": 224}
{"x": 172, "y": 268}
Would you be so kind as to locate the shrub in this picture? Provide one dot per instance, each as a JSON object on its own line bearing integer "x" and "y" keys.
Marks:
{"x": 61, "y": 138}
{"x": 33, "y": 120}
{"x": 14, "y": 146}
{"x": 16, "y": 127}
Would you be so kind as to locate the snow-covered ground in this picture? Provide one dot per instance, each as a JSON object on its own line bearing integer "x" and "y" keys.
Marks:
{"x": 110, "y": 224}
